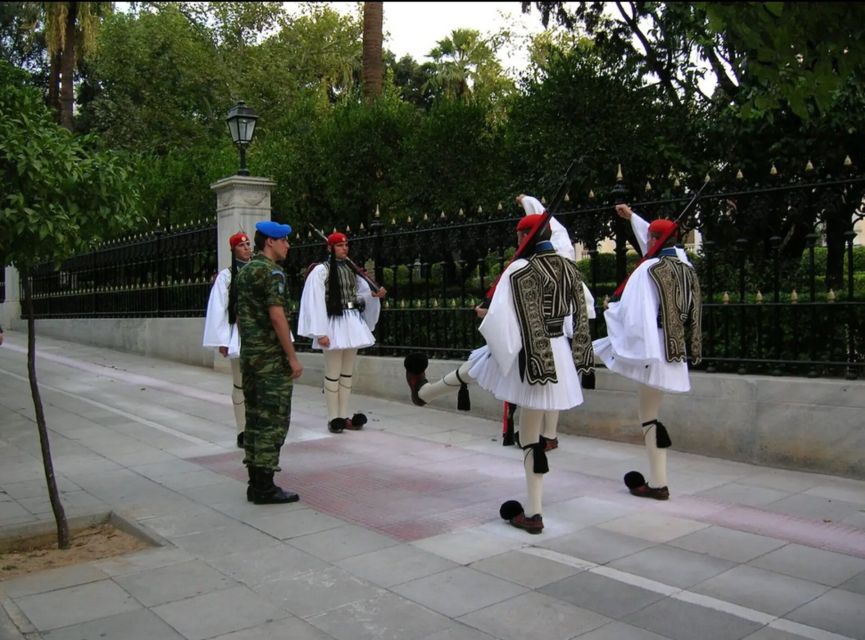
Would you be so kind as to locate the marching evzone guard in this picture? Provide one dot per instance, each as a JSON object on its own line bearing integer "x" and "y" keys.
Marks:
{"x": 339, "y": 311}
{"x": 646, "y": 341}
{"x": 220, "y": 324}
{"x": 537, "y": 342}
{"x": 423, "y": 391}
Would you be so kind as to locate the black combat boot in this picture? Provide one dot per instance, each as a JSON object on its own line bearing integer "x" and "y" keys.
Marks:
{"x": 265, "y": 492}
{"x": 251, "y": 484}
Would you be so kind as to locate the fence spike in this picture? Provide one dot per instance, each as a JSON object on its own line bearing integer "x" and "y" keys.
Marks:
{"x": 567, "y": 197}
{"x": 740, "y": 175}
{"x": 794, "y": 297}
{"x": 377, "y": 213}
{"x": 774, "y": 170}
{"x": 847, "y": 161}
{"x": 425, "y": 218}
{"x": 725, "y": 298}
{"x": 500, "y": 206}
{"x": 677, "y": 183}
{"x": 393, "y": 220}
{"x": 408, "y": 219}
{"x": 809, "y": 166}
{"x": 480, "y": 209}
{"x": 461, "y": 212}
{"x": 707, "y": 178}
{"x": 443, "y": 216}
{"x": 619, "y": 176}
{"x": 830, "y": 297}
{"x": 759, "y": 297}
{"x": 591, "y": 194}
{"x": 648, "y": 186}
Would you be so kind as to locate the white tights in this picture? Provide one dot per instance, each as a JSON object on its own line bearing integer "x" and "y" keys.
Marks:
{"x": 338, "y": 368}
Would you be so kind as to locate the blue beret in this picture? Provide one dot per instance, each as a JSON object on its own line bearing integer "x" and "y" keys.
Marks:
{"x": 273, "y": 229}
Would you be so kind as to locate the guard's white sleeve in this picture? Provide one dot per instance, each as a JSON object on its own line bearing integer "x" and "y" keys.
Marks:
{"x": 641, "y": 230}
{"x": 632, "y": 322}
{"x": 217, "y": 331}
{"x": 312, "y": 320}
{"x": 372, "y": 308}
{"x": 561, "y": 240}
{"x": 500, "y": 327}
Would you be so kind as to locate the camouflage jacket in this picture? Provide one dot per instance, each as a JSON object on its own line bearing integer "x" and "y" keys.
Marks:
{"x": 261, "y": 284}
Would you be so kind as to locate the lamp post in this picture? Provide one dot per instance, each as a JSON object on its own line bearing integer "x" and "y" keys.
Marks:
{"x": 241, "y": 124}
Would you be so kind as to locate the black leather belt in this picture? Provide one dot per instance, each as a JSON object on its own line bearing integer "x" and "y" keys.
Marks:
{"x": 555, "y": 328}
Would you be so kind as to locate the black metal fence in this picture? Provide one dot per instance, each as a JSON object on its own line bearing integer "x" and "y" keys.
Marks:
{"x": 776, "y": 301}
{"x": 158, "y": 274}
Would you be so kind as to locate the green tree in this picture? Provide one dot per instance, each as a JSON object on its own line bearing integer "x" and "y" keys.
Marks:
{"x": 60, "y": 198}
{"x": 22, "y": 42}
{"x": 466, "y": 67}
{"x": 160, "y": 85}
{"x": 412, "y": 80}
{"x": 762, "y": 55}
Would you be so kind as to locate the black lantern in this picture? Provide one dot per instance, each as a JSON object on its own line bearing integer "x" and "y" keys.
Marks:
{"x": 241, "y": 123}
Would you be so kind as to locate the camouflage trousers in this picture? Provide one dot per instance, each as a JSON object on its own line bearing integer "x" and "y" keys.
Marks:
{"x": 268, "y": 415}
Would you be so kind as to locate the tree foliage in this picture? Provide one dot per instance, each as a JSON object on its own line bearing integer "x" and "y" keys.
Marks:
{"x": 60, "y": 196}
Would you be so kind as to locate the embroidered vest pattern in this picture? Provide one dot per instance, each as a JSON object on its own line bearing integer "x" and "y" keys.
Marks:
{"x": 681, "y": 306}
{"x": 545, "y": 291}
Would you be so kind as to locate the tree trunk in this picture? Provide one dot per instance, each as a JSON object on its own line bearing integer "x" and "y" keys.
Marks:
{"x": 373, "y": 69}
{"x": 51, "y": 481}
{"x": 67, "y": 70}
{"x": 54, "y": 86}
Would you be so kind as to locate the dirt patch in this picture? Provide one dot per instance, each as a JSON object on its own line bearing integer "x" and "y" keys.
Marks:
{"x": 41, "y": 553}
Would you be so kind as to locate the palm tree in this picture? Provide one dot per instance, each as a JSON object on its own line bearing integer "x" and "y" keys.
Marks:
{"x": 70, "y": 33}
{"x": 462, "y": 61}
{"x": 373, "y": 69}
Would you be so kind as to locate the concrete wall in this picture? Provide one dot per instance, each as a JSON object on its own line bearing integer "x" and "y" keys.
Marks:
{"x": 797, "y": 423}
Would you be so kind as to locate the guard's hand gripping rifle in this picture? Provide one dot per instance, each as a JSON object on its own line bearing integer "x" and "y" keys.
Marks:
{"x": 361, "y": 272}
{"x": 655, "y": 249}
{"x": 529, "y": 240}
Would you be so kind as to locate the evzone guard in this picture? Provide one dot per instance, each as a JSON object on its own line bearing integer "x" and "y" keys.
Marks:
{"x": 339, "y": 311}
{"x": 537, "y": 344}
{"x": 647, "y": 329}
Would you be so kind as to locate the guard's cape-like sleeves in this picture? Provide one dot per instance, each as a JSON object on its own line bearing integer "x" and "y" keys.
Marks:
{"x": 500, "y": 327}
{"x": 217, "y": 331}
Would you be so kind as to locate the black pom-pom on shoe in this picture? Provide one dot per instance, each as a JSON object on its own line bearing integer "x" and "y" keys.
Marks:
{"x": 356, "y": 422}
{"x": 510, "y": 509}
{"x": 634, "y": 479}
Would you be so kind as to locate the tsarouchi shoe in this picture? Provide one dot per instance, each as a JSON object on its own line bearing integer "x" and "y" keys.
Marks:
{"x": 531, "y": 524}
{"x": 645, "y": 491}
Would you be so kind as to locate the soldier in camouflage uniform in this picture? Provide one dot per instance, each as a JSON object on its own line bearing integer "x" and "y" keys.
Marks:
{"x": 267, "y": 359}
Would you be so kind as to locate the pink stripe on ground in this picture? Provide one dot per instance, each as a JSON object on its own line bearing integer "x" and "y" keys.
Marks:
{"x": 411, "y": 489}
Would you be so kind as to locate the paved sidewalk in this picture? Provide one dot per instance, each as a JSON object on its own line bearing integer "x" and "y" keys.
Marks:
{"x": 397, "y": 534}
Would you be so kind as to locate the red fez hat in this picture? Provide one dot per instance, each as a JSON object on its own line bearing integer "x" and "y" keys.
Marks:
{"x": 662, "y": 226}
{"x": 335, "y": 238}
{"x": 529, "y": 222}
{"x": 237, "y": 238}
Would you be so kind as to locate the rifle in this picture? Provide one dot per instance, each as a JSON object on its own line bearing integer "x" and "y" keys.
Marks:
{"x": 529, "y": 240}
{"x": 661, "y": 241}
{"x": 361, "y": 272}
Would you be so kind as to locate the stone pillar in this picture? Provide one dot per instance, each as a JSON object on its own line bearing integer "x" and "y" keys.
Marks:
{"x": 241, "y": 201}
{"x": 10, "y": 309}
